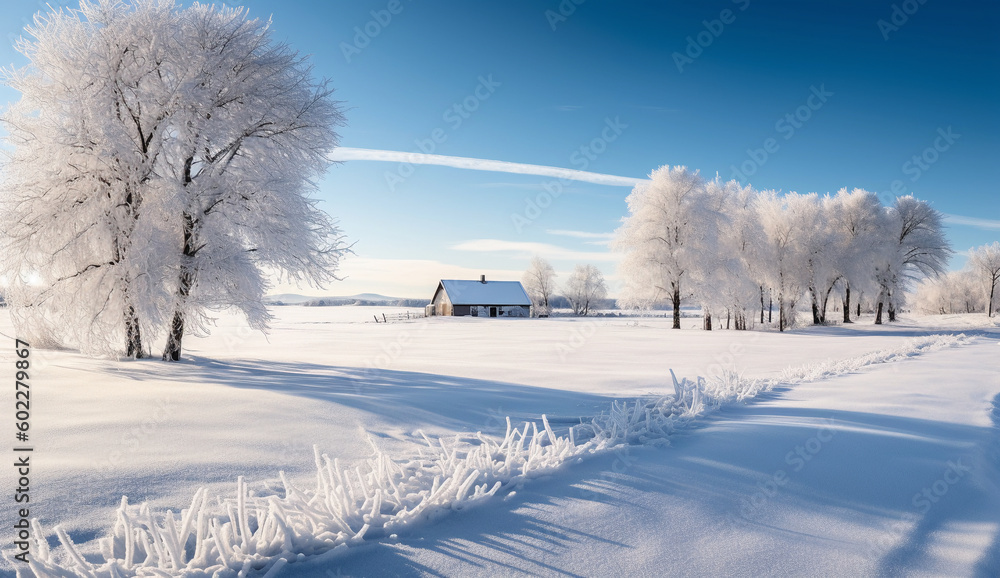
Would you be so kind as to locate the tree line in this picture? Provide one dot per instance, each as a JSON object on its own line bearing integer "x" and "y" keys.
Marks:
{"x": 971, "y": 290}
{"x": 728, "y": 246}
{"x": 740, "y": 252}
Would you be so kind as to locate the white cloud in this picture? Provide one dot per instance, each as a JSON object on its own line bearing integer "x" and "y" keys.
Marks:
{"x": 358, "y": 154}
{"x": 580, "y": 234}
{"x": 527, "y": 249}
{"x": 990, "y": 224}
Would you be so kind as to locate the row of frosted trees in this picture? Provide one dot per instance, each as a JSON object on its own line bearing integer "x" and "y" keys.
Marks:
{"x": 974, "y": 289}
{"x": 735, "y": 250}
{"x": 584, "y": 289}
{"x": 160, "y": 165}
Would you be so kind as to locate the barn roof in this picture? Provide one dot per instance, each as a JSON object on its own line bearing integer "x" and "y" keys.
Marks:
{"x": 462, "y": 292}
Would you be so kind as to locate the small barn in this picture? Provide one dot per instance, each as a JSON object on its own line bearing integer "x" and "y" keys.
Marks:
{"x": 480, "y": 299}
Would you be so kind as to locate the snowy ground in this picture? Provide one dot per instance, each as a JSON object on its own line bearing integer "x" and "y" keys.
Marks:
{"x": 729, "y": 496}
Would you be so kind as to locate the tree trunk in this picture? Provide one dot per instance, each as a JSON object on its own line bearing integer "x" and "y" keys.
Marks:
{"x": 728, "y": 315}
{"x": 892, "y": 312}
{"x": 859, "y": 309}
{"x": 770, "y": 307}
{"x": 847, "y": 304}
{"x": 815, "y": 306}
{"x": 761, "y": 304}
{"x": 133, "y": 337}
{"x": 825, "y": 302}
{"x": 172, "y": 351}
{"x": 677, "y": 307}
{"x": 989, "y": 305}
{"x": 781, "y": 313}
{"x": 878, "y": 313}
{"x": 708, "y": 320}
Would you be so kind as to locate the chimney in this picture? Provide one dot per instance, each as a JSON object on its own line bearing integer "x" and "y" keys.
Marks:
{"x": 482, "y": 278}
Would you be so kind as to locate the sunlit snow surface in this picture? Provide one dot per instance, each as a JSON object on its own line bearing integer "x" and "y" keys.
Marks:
{"x": 822, "y": 472}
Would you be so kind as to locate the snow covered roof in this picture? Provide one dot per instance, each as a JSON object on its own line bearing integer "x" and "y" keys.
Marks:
{"x": 462, "y": 292}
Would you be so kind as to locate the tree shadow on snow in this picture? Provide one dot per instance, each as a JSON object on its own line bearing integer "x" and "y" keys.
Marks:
{"x": 407, "y": 398}
{"x": 906, "y": 331}
{"x": 970, "y": 503}
{"x": 989, "y": 564}
{"x": 869, "y": 471}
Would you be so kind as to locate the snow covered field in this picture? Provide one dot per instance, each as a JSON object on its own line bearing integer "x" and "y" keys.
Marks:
{"x": 883, "y": 465}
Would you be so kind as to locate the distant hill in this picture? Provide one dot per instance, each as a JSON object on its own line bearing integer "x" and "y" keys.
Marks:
{"x": 359, "y": 299}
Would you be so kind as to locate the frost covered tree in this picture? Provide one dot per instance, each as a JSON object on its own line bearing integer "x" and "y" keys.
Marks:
{"x": 254, "y": 131}
{"x": 858, "y": 220}
{"x": 540, "y": 283}
{"x": 160, "y": 166}
{"x": 741, "y": 241}
{"x": 953, "y": 292}
{"x": 914, "y": 245}
{"x": 984, "y": 262}
{"x": 721, "y": 279}
{"x": 79, "y": 195}
{"x": 823, "y": 252}
{"x": 664, "y": 238}
{"x": 786, "y": 223}
{"x": 584, "y": 287}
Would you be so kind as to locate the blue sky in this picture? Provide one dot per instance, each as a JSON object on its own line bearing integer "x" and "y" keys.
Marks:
{"x": 601, "y": 89}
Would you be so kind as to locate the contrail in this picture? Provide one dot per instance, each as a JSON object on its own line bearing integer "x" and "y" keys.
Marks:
{"x": 356, "y": 154}
{"x": 971, "y": 221}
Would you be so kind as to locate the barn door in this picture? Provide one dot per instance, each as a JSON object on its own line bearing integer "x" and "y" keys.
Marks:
{"x": 493, "y": 311}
